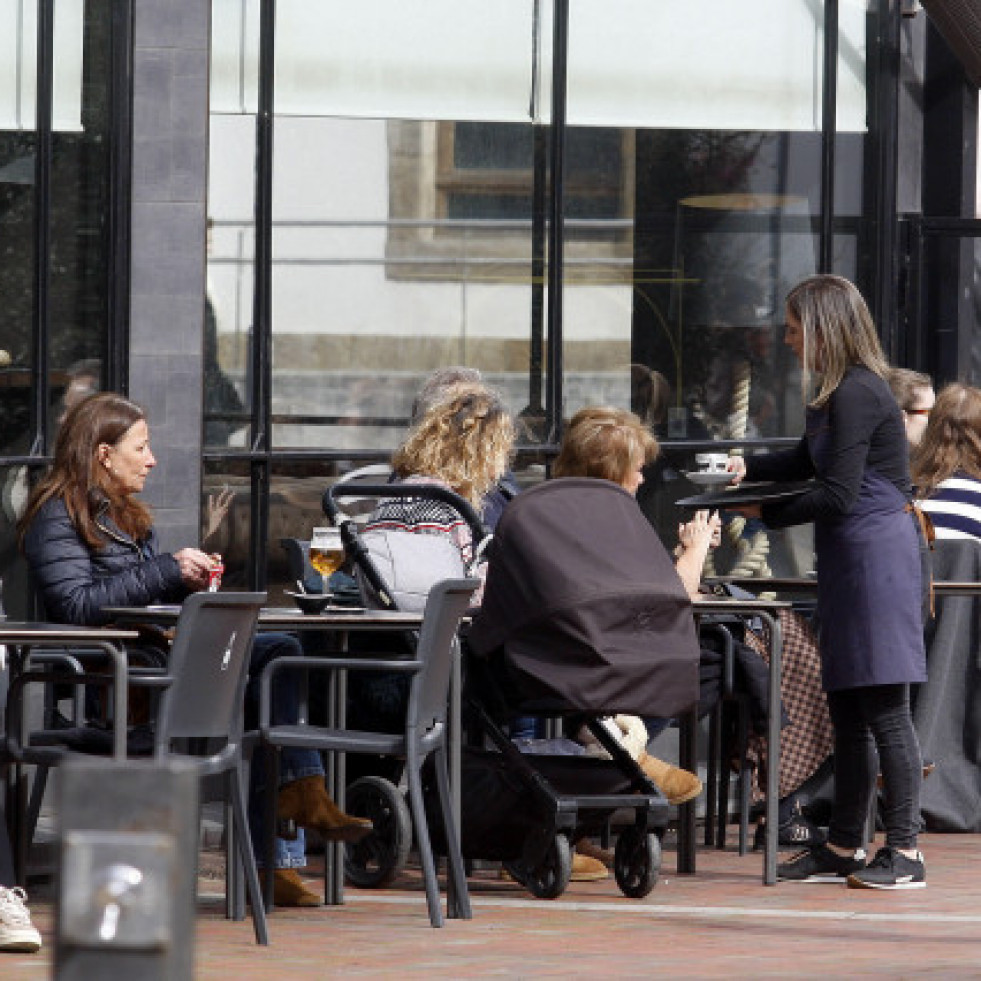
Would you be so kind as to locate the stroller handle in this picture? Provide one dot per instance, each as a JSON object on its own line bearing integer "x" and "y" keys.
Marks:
{"x": 433, "y": 491}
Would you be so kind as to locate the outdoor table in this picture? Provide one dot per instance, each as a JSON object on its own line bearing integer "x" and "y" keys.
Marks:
{"x": 20, "y": 637}
{"x": 341, "y": 622}
{"x": 768, "y": 611}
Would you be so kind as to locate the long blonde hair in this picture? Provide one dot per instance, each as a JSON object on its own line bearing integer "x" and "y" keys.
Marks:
{"x": 602, "y": 441}
{"x": 464, "y": 439}
{"x": 951, "y": 441}
{"x": 838, "y": 333}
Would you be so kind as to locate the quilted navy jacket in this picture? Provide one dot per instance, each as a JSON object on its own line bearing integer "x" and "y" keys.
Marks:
{"x": 76, "y": 582}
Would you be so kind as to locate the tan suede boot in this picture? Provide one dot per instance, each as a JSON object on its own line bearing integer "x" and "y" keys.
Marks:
{"x": 586, "y": 869}
{"x": 676, "y": 784}
{"x": 307, "y": 803}
{"x": 289, "y": 890}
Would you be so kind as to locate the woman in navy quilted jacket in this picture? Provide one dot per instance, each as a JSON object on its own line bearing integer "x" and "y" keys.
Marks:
{"x": 90, "y": 543}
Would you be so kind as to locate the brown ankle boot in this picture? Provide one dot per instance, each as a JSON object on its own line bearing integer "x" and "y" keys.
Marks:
{"x": 289, "y": 890}
{"x": 676, "y": 784}
{"x": 307, "y": 803}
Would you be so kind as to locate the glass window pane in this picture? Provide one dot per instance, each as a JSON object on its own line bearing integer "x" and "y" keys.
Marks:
{"x": 229, "y": 299}
{"x": 79, "y": 234}
{"x": 378, "y": 278}
{"x": 17, "y": 288}
{"x": 18, "y": 74}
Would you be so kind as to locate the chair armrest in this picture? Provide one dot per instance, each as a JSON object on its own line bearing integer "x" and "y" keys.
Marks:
{"x": 312, "y": 662}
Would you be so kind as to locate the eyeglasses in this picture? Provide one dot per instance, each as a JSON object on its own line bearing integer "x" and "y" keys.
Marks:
{"x": 917, "y": 412}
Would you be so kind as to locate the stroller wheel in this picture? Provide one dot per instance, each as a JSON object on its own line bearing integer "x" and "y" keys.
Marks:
{"x": 376, "y": 860}
{"x": 549, "y": 879}
{"x": 636, "y": 862}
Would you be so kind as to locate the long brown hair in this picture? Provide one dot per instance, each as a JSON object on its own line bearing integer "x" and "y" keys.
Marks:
{"x": 837, "y": 326}
{"x": 465, "y": 439}
{"x": 604, "y": 442}
{"x": 951, "y": 441}
{"x": 76, "y": 478}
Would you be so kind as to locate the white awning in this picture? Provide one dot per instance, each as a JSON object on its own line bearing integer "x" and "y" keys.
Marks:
{"x": 692, "y": 64}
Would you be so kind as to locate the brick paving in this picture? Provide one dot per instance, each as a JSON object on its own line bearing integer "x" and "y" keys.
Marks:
{"x": 721, "y": 922}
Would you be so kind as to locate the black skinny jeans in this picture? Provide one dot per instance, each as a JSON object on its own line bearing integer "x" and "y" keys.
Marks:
{"x": 866, "y": 719}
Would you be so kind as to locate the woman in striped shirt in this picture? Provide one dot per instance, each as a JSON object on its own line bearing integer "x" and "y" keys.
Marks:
{"x": 946, "y": 466}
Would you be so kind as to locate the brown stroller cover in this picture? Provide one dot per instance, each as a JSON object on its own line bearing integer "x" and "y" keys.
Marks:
{"x": 583, "y": 609}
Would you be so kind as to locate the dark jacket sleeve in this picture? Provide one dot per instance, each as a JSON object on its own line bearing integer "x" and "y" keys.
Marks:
{"x": 853, "y": 414}
{"x": 75, "y": 582}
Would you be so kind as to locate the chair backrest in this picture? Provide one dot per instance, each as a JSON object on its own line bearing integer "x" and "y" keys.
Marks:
{"x": 448, "y": 602}
{"x": 209, "y": 661}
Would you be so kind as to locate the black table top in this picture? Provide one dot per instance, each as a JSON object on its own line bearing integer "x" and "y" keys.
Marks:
{"x": 747, "y": 494}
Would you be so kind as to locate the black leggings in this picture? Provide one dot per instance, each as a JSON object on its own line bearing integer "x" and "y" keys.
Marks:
{"x": 867, "y": 719}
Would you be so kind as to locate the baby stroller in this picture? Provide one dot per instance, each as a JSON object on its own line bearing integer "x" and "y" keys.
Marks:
{"x": 598, "y": 610}
{"x": 399, "y": 576}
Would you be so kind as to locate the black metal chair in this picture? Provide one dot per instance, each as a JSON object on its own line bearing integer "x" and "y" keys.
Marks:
{"x": 425, "y": 731}
{"x": 200, "y": 708}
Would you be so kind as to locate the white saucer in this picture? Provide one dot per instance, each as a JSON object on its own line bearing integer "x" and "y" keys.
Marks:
{"x": 706, "y": 479}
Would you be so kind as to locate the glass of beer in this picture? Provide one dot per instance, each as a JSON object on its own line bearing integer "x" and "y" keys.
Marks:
{"x": 326, "y": 551}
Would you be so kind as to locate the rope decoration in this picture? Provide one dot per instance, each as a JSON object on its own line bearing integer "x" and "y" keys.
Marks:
{"x": 752, "y": 551}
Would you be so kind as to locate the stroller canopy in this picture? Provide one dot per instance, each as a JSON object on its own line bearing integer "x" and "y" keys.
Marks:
{"x": 583, "y": 609}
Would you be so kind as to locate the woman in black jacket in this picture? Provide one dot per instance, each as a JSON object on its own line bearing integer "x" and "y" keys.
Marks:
{"x": 90, "y": 543}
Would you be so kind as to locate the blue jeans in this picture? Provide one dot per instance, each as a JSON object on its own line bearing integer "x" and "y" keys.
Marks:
{"x": 294, "y": 763}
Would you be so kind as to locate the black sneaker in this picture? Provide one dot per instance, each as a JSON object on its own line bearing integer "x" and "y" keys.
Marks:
{"x": 890, "y": 869}
{"x": 821, "y": 864}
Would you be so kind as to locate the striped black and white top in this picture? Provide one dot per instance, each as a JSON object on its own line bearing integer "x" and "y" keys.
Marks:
{"x": 955, "y": 507}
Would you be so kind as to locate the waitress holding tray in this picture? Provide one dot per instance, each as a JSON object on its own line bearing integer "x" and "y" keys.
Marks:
{"x": 869, "y": 579}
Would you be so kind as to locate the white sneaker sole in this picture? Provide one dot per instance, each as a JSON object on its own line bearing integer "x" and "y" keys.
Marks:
{"x": 27, "y": 943}
{"x": 817, "y": 880}
{"x": 854, "y": 883}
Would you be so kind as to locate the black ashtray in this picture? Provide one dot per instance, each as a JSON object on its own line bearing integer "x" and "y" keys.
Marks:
{"x": 311, "y": 603}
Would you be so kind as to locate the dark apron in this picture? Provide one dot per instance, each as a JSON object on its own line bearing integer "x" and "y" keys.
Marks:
{"x": 870, "y": 583}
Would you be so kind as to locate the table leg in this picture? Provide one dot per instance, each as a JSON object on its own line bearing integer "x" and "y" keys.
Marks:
{"x": 687, "y": 760}
{"x": 454, "y": 739}
{"x": 334, "y": 851}
{"x": 772, "y": 751}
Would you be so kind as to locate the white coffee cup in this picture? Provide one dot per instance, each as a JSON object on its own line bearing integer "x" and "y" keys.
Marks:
{"x": 711, "y": 462}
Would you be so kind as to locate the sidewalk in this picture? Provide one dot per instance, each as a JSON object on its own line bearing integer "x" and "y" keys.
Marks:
{"x": 721, "y": 922}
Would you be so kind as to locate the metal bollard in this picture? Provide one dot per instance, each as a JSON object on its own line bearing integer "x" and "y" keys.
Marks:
{"x": 128, "y": 839}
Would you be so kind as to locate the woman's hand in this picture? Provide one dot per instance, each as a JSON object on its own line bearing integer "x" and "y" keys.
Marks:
{"x": 703, "y": 531}
{"x": 736, "y": 465}
{"x": 195, "y": 566}
{"x": 695, "y": 537}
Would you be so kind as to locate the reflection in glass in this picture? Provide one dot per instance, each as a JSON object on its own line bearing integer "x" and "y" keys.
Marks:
{"x": 228, "y": 301}
{"x": 376, "y": 283}
{"x": 13, "y": 570}
{"x": 226, "y": 518}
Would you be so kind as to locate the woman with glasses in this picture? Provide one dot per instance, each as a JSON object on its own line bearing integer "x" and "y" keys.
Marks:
{"x": 914, "y": 393}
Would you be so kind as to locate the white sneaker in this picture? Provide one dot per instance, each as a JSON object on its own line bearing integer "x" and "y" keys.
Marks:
{"x": 17, "y": 933}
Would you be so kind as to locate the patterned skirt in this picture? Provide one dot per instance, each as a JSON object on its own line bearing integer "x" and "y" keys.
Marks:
{"x": 808, "y": 740}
